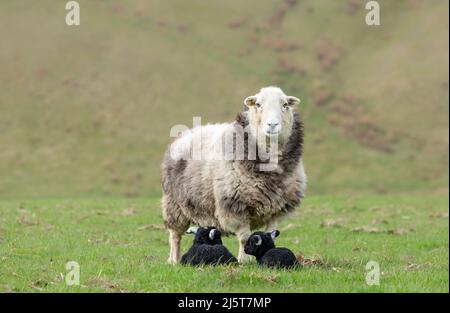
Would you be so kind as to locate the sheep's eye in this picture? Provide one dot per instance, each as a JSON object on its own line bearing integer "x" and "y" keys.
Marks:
{"x": 285, "y": 105}
{"x": 258, "y": 105}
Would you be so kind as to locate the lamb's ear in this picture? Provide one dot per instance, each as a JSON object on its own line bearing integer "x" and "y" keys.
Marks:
{"x": 250, "y": 101}
{"x": 291, "y": 100}
{"x": 192, "y": 230}
{"x": 212, "y": 233}
{"x": 274, "y": 233}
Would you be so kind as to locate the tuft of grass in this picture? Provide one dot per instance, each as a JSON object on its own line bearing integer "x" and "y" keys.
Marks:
{"x": 121, "y": 246}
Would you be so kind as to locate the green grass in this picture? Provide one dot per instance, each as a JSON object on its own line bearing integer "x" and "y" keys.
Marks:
{"x": 124, "y": 249}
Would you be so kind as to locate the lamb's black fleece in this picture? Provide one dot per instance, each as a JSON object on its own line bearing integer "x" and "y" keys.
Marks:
{"x": 266, "y": 253}
{"x": 206, "y": 250}
{"x": 207, "y": 255}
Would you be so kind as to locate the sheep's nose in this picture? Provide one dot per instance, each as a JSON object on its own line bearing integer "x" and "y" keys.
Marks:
{"x": 273, "y": 124}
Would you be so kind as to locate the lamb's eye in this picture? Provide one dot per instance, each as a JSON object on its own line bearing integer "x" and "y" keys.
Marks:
{"x": 258, "y": 105}
{"x": 285, "y": 105}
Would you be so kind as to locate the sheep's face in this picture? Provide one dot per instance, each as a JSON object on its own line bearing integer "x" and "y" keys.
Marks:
{"x": 206, "y": 235}
{"x": 270, "y": 112}
{"x": 260, "y": 242}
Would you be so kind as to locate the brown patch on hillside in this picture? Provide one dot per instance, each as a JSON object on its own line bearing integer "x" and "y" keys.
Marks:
{"x": 354, "y": 122}
{"x": 244, "y": 52}
{"x": 253, "y": 38}
{"x": 286, "y": 66}
{"x": 412, "y": 4}
{"x": 162, "y": 23}
{"x": 278, "y": 45}
{"x": 352, "y": 6}
{"x": 182, "y": 28}
{"x": 239, "y": 22}
{"x": 117, "y": 8}
{"x": 322, "y": 96}
{"x": 139, "y": 13}
{"x": 276, "y": 19}
{"x": 327, "y": 53}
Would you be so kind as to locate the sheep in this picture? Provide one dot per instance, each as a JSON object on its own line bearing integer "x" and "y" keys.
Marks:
{"x": 207, "y": 248}
{"x": 262, "y": 246}
{"x": 236, "y": 192}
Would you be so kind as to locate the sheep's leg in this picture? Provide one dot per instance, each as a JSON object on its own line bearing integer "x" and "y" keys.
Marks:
{"x": 177, "y": 223}
{"x": 237, "y": 225}
{"x": 174, "y": 240}
{"x": 272, "y": 225}
{"x": 243, "y": 234}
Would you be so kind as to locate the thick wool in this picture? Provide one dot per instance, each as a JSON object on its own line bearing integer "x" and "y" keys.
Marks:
{"x": 234, "y": 196}
{"x": 207, "y": 249}
{"x": 262, "y": 246}
{"x": 200, "y": 192}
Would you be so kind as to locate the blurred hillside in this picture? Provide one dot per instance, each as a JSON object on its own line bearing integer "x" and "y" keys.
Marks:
{"x": 88, "y": 109}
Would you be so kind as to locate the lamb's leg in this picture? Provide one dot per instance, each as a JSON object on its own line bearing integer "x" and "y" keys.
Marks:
{"x": 243, "y": 234}
{"x": 174, "y": 240}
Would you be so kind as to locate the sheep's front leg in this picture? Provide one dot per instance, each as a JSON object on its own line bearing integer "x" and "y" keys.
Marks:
{"x": 243, "y": 234}
{"x": 174, "y": 240}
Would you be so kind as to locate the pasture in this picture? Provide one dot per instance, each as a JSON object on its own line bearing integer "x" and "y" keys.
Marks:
{"x": 121, "y": 246}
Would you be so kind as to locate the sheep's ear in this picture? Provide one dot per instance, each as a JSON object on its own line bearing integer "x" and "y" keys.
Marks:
{"x": 250, "y": 101}
{"x": 192, "y": 230}
{"x": 291, "y": 100}
{"x": 274, "y": 233}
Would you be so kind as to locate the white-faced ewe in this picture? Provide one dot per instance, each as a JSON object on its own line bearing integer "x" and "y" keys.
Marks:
{"x": 207, "y": 248}
{"x": 234, "y": 194}
{"x": 262, "y": 246}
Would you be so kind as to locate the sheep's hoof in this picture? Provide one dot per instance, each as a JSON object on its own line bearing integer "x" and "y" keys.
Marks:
{"x": 172, "y": 261}
{"x": 244, "y": 258}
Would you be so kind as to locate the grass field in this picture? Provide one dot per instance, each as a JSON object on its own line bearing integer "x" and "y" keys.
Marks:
{"x": 121, "y": 246}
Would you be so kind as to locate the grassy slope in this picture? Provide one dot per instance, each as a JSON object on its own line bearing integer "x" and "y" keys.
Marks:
{"x": 88, "y": 110}
{"x": 120, "y": 252}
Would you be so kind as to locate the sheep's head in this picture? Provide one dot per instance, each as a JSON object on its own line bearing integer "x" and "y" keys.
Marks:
{"x": 270, "y": 113}
{"x": 206, "y": 235}
{"x": 260, "y": 242}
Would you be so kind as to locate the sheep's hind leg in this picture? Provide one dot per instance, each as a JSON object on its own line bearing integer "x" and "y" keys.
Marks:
{"x": 176, "y": 223}
{"x": 174, "y": 240}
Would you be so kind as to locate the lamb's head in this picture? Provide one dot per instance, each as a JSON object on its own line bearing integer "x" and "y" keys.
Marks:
{"x": 270, "y": 112}
{"x": 260, "y": 242}
{"x": 206, "y": 235}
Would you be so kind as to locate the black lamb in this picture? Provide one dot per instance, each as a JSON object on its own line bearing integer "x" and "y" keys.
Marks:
{"x": 207, "y": 248}
{"x": 262, "y": 246}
